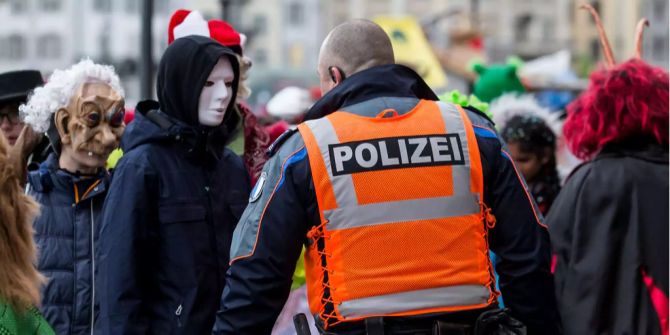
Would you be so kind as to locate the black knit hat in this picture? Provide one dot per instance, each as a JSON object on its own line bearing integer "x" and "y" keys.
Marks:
{"x": 16, "y": 85}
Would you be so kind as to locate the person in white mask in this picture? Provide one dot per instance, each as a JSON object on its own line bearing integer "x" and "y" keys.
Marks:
{"x": 175, "y": 199}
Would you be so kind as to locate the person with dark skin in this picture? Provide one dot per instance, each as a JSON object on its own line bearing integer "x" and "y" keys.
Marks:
{"x": 531, "y": 143}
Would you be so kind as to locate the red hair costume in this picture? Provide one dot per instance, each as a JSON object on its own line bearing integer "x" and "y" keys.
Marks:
{"x": 609, "y": 225}
{"x": 622, "y": 101}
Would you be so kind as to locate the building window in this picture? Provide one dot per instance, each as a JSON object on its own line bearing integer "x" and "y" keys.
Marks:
{"x": 160, "y": 6}
{"x": 296, "y": 14}
{"x": 50, "y": 5}
{"x": 595, "y": 48}
{"x": 18, "y": 6}
{"x": 131, "y": 6}
{"x": 660, "y": 10}
{"x": 596, "y": 6}
{"x": 17, "y": 47}
{"x": 102, "y": 6}
{"x": 49, "y": 46}
{"x": 260, "y": 24}
{"x": 659, "y": 48}
{"x": 548, "y": 29}
{"x": 521, "y": 27}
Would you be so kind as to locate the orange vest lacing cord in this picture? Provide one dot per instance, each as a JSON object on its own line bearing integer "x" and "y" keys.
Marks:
{"x": 490, "y": 221}
{"x": 315, "y": 234}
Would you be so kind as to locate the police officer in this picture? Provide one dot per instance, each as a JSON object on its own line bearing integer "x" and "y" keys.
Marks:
{"x": 398, "y": 199}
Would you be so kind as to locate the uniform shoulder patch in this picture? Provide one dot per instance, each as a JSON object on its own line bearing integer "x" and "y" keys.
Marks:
{"x": 258, "y": 188}
{"x": 274, "y": 147}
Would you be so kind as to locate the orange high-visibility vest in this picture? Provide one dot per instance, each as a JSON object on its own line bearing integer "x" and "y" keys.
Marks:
{"x": 403, "y": 229}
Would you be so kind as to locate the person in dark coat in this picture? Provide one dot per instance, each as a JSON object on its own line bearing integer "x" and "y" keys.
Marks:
{"x": 174, "y": 201}
{"x": 609, "y": 224}
{"x": 283, "y": 212}
{"x": 82, "y": 110}
{"x": 14, "y": 89}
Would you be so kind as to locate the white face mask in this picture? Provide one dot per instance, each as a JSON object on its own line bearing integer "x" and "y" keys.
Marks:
{"x": 216, "y": 94}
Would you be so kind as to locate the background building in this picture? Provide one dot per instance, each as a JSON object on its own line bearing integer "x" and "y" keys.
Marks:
{"x": 284, "y": 36}
{"x": 52, "y": 34}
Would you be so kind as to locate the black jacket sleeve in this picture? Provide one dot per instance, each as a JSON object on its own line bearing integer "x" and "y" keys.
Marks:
{"x": 521, "y": 242}
{"x": 266, "y": 246}
{"x": 124, "y": 256}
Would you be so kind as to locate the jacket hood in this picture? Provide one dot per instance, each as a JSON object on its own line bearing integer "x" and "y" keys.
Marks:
{"x": 182, "y": 73}
{"x": 380, "y": 81}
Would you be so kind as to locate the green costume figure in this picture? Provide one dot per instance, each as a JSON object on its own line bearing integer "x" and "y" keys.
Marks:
{"x": 495, "y": 80}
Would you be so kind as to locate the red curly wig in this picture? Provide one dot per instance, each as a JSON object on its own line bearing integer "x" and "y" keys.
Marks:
{"x": 627, "y": 100}
{"x": 622, "y": 101}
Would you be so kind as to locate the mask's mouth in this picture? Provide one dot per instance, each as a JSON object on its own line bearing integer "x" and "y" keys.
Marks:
{"x": 97, "y": 152}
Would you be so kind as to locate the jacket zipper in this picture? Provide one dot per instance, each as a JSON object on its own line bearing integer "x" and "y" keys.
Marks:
{"x": 92, "y": 268}
{"x": 210, "y": 223}
{"x": 178, "y": 314}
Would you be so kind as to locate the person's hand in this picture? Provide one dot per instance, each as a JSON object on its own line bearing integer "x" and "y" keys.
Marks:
{"x": 19, "y": 153}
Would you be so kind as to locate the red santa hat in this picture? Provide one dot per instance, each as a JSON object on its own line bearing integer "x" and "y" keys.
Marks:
{"x": 185, "y": 22}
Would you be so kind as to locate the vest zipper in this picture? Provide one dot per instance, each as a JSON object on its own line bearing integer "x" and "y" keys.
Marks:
{"x": 92, "y": 268}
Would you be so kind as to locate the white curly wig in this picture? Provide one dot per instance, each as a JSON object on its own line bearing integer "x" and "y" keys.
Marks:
{"x": 56, "y": 93}
{"x": 509, "y": 105}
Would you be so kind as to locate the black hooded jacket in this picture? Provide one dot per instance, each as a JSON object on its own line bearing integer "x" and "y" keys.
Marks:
{"x": 173, "y": 203}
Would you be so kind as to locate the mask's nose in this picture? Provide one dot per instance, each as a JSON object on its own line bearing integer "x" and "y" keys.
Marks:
{"x": 221, "y": 93}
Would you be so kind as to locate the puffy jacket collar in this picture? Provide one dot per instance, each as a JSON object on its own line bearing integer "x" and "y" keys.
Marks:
{"x": 162, "y": 128}
{"x": 380, "y": 81}
{"x": 50, "y": 177}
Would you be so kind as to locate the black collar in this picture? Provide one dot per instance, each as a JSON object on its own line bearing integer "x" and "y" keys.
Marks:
{"x": 380, "y": 81}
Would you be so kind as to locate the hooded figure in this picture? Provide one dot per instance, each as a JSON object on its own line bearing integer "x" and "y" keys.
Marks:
{"x": 609, "y": 224}
{"x": 174, "y": 201}
{"x": 247, "y": 138}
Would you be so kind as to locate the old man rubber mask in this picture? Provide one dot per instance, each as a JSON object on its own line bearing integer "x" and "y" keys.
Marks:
{"x": 216, "y": 94}
{"x": 91, "y": 126}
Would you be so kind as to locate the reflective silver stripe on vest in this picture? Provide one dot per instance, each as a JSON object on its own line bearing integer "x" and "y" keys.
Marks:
{"x": 343, "y": 185}
{"x": 463, "y": 295}
{"x": 402, "y": 211}
{"x": 349, "y": 214}
{"x": 454, "y": 125}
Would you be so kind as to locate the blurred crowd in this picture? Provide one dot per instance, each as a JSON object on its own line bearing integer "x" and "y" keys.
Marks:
{"x": 120, "y": 219}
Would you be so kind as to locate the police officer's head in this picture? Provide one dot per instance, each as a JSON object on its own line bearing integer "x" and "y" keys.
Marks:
{"x": 351, "y": 47}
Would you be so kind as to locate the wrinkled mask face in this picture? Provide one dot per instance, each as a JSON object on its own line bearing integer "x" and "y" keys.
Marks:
{"x": 91, "y": 126}
{"x": 216, "y": 94}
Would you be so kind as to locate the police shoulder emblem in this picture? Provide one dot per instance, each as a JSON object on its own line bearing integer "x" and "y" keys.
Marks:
{"x": 258, "y": 188}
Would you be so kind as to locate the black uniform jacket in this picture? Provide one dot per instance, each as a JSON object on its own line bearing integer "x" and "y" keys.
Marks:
{"x": 265, "y": 252}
